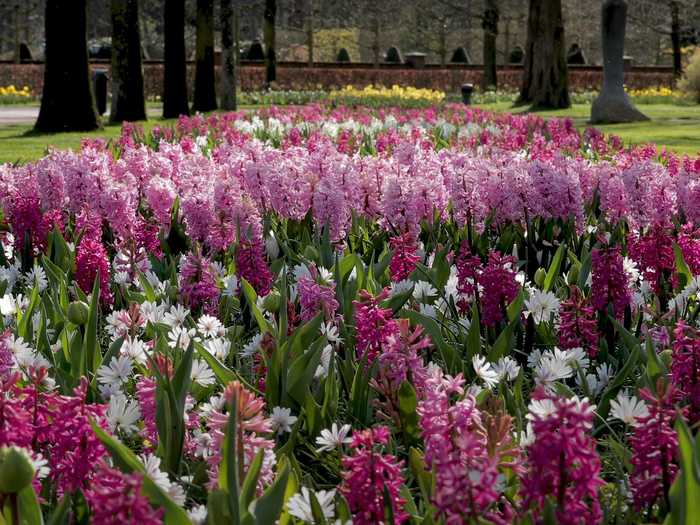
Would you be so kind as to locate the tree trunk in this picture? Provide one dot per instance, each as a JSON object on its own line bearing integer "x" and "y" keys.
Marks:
{"x": 490, "y": 26}
{"x": 128, "y": 102}
{"x": 228, "y": 56}
{"x": 310, "y": 33}
{"x": 66, "y": 103}
{"x": 204, "y": 79}
{"x": 174, "y": 61}
{"x": 545, "y": 73}
{"x": 676, "y": 39}
{"x": 375, "y": 40}
{"x": 269, "y": 36}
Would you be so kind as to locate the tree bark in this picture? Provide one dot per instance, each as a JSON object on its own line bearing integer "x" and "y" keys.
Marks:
{"x": 128, "y": 102}
{"x": 228, "y": 56}
{"x": 66, "y": 102}
{"x": 269, "y": 36}
{"x": 490, "y": 27}
{"x": 545, "y": 73}
{"x": 204, "y": 79}
{"x": 310, "y": 33}
{"x": 676, "y": 39}
{"x": 175, "y": 64}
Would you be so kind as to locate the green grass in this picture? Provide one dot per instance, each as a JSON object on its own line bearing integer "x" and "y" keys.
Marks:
{"x": 676, "y": 127}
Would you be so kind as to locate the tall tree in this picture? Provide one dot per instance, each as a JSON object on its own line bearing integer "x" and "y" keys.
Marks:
{"x": 545, "y": 74}
{"x": 66, "y": 103}
{"x": 310, "y": 32}
{"x": 676, "y": 38}
{"x": 229, "y": 50}
{"x": 490, "y": 25}
{"x": 204, "y": 79}
{"x": 269, "y": 35}
{"x": 174, "y": 63}
{"x": 128, "y": 102}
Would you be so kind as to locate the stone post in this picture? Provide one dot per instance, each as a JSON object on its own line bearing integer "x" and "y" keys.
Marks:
{"x": 613, "y": 104}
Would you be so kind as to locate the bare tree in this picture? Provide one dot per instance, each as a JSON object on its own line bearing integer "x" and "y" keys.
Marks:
{"x": 128, "y": 102}
{"x": 66, "y": 103}
{"x": 545, "y": 73}
{"x": 229, "y": 51}
{"x": 269, "y": 35}
{"x": 489, "y": 23}
{"x": 204, "y": 83}
{"x": 174, "y": 66}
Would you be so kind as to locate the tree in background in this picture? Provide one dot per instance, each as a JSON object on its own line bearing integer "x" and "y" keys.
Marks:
{"x": 204, "y": 78}
{"x": 490, "y": 25}
{"x": 175, "y": 65}
{"x": 269, "y": 36}
{"x": 229, "y": 51}
{"x": 128, "y": 102}
{"x": 66, "y": 103}
{"x": 545, "y": 74}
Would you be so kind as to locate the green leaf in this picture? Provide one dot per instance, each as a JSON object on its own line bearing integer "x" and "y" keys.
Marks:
{"x": 29, "y": 509}
{"x": 268, "y": 507}
{"x": 504, "y": 342}
{"x": 448, "y": 352}
{"x": 91, "y": 345}
{"x": 685, "y": 491}
{"x": 554, "y": 268}
{"x": 251, "y": 480}
{"x": 685, "y": 275}
{"x": 60, "y": 513}
{"x": 218, "y": 510}
{"x": 302, "y": 370}
{"x": 252, "y": 298}
{"x": 408, "y": 403}
{"x": 127, "y": 461}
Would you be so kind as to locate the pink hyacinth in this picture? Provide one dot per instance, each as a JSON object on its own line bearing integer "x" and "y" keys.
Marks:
{"x": 578, "y": 327}
{"x": 457, "y": 452}
{"x": 146, "y": 395}
{"x": 562, "y": 461}
{"x": 653, "y": 253}
{"x": 610, "y": 284}
{"x": 316, "y": 297}
{"x": 499, "y": 287}
{"x": 685, "y": 367}
{"x": 403, "y": 258}
{"x": 373, "y": 324}
{"x": 198, "y": 284}
{"x": 115, "y": 498}
{"x": 252, "y": 425}
{"x": 90, "y": 260}
{"x": 368, "y": 474}
{"x": 7, "y": 358}
{"x": 252, "y": 266}
{"x": 654, "y": 445}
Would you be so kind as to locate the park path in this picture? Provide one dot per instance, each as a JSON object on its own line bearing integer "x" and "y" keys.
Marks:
{"x": 28, "y": 114}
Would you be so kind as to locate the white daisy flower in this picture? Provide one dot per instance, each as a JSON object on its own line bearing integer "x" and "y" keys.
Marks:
{"x": 176, "y": 315}
{"x": 333, "y": 438}
{"x": 218, "y": 347}
{"x": 252, "y": 346}
{"x": 123, "y": 414}
{"x": 198, "y": 515}
{"x": 423, "y": 291}
{"x": 299, "y": 505}
{"x": 325, "y": 363}
{"x": 210, "y": 326}
{"x": 282, "y": 420}
{"x": 37, "y": 277}
{"x": 543, "y": 306}
{"x": 118, "y": 371}
{"x": 331, "y": 333}
{"x": 628, "y": 409}
{"x": 230, "y": 284}
{"x": 507, "y": 368}
{"x": 485, "y": 371}
{"x": 202, "y": 374}
{"x": 551, "y": 369}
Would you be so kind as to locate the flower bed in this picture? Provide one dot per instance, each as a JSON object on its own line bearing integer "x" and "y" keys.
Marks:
{"x": 320, "y": 314}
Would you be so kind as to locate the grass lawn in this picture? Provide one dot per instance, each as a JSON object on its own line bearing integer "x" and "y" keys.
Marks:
{"x": 677, "y": 127}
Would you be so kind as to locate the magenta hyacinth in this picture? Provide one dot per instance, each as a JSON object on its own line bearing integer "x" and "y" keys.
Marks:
{"x": 468, "y": 270}
{"x": 578, "y": 327}
{"x": 685, "y": 367}
{"x": 7, "y": 358}
{"x": 252, "y": 266}
{"x": 115, "y": 498}
{"x": 654, "y": 445}
{"x": 367, "y": 474}
{"x": 404, "y": 258}
{"x": 562, "y": 461}
{"x": 499, "y": 287}
{"x": 90, "y": 260}
{"x": 373, "y": 324}
{"x": 610, "y": 284}
{"x": 457, "y": 452}
{"x": 198, "y": 284}
{"x": 315, "y": 297}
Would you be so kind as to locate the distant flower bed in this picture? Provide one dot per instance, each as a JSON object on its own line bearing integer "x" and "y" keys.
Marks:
{"x": 373, "y": 96}
{"x": 11, "y": 95}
